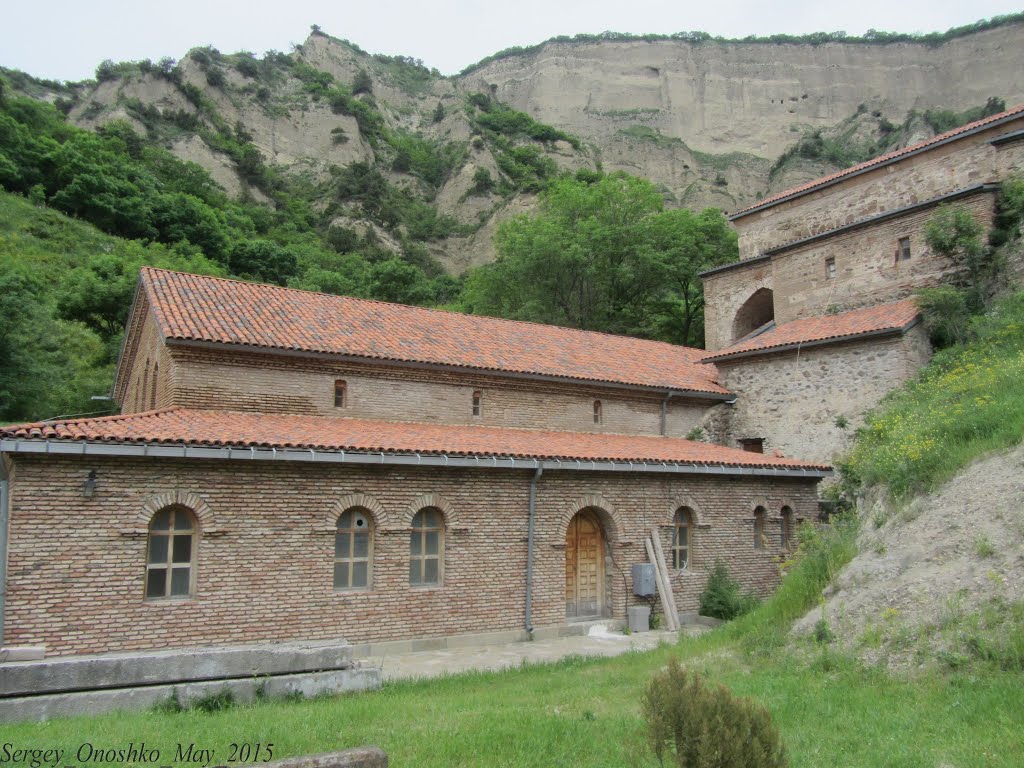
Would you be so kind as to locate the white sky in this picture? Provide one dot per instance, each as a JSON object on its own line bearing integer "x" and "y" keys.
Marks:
{"x": 66, "y": 39}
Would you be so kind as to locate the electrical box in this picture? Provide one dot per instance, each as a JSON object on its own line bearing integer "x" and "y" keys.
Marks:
{"x": 643, "y": 580}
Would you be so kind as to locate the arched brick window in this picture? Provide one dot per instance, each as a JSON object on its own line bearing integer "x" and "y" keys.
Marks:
{"x": 478, "y": 403}
{"x": 143, "y": 389}
{"x": 353, "y": 550}
{"x": 682, "y": 538}
{"x": 786, "y": 532}
{"x": 340, "y": 393}
{"x": 152, "y": 391}
{"x": 759, "y": 517}
{"x": 598, "y": 412}
{"x": 171, "y": 554}
{"x": 426, "y": 548}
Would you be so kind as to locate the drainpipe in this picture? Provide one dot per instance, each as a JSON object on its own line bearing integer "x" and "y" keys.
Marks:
{"x": 529, "y": 548}
{"x": 4, "y": 514}
{"x": 664, "y": 412}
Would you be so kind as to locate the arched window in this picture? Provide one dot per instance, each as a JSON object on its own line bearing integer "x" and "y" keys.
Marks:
{"x": 426, "y": 548}
{"x": 353, "y": 550}
{"x": 478, "y": 403}
{"x": 786, "y": 534}
{"x": 171, "y": 554}
{"x": 340, "y": 393}
{"x": 598, "y": 413}
{"x": 152, "y": 392}
{"x": 682, "y": 538}
{"x": 756, "y": 312}
{"x": 759, "y": 516}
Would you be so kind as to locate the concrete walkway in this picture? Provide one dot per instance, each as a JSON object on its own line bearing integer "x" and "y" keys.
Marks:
{"x": 599, "y": 642}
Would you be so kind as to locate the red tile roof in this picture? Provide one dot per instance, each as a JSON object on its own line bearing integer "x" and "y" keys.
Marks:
{"x": 196, "y": 308}
{"x": 263, "y": 430}
{"x": 815, "y": 330}
{"x": 825, "y": 181}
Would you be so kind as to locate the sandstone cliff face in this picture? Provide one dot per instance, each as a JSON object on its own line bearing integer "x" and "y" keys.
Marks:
{"x": 705, "y": 121}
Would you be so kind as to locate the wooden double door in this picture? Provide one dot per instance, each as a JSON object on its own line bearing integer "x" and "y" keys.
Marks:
{"x": 584, "y": 566}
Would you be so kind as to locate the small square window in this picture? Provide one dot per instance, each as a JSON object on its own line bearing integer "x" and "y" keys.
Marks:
{"x": 830, "y": 268}
{"x": 903, "y": 249}
{"x": 340, "y": 392}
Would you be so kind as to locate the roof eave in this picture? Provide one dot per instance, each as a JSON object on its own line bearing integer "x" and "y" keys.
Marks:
{"x": 801, "y": 345}
{"x": 330, "y": 456}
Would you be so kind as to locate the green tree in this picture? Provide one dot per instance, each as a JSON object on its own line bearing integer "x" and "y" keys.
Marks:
{"x": 953, "y": 232}
{"x": 604, "y": 256}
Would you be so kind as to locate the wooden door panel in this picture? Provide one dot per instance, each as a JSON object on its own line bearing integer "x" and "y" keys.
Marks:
{"x": 584, "y": 566}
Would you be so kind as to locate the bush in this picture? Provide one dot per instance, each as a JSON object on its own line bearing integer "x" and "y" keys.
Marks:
{"x": 691, "y": 724}
{"x": 722, "y": 598}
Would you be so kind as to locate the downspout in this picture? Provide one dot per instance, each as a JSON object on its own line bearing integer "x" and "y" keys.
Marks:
{"x": 664, "y": 412}
{"x": 529, "y": 548}
{"x": 4, "y": 515}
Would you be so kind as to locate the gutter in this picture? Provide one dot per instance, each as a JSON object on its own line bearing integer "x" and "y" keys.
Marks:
{"x": 528, "y": 618}
{"x": 320, "y": 456}
{"x": 438, "y": 367}
{"x": 4, "y": 518}
{"x": 664, "y": 412}
{"x": 816, "y": 343}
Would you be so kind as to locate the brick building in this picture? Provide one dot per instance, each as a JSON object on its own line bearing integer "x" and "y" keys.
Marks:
{"x": 813, "y": 325}
{"x": 296, "y": 466}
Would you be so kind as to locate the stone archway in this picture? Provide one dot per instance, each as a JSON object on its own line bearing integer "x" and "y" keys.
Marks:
{"x": 755, "y": 312}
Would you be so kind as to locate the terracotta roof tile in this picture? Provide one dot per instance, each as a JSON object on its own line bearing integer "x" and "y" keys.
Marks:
{"x": 196, "y": 308}
{"x": 870, "y": 320}
{"x": 246, "y": 430}
{"x": 880, "y": 160}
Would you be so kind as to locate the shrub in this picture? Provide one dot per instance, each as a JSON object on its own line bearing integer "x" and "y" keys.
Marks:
{"x": 691, "y": 724}
{"x": 722, "y": 598}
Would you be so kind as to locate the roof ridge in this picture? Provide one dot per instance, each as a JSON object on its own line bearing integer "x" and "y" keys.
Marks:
{"x": 809, "y": 186}
{"x": 445, "y": 312}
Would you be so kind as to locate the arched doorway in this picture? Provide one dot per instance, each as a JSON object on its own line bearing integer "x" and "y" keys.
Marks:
{"x": 584, "y": 566}
{"x": 755, "y": 312}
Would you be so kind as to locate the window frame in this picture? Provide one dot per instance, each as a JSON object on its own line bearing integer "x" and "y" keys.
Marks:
{"x": 760, "y": 517}
{"x": 340, "y": 393}
{"x": 830, "y": 268}
{"x": 786, "y": 529}
{"x": 903, "y": 252}
{"x": 477, "y": 409}
{"x": 167, "y": 564}
{"x": 350, "y": 559}
{"x": 598, "y": 412}
{"x": 684, "y": 519}
{"x": 418, "y": 533}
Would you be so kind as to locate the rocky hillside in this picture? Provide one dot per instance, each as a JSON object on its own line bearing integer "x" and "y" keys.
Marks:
{"x": 713, "y": 123}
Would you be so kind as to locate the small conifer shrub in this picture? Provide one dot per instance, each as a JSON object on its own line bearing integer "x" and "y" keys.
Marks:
{"x": 692, "y": 724}
{"x": 722, "y": 598}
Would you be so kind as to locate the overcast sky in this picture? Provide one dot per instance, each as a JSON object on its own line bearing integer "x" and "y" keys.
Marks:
{"x": 66, "y": 39}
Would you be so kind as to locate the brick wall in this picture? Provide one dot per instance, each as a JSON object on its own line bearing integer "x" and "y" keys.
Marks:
{"x": 792, "y": 399}
{"x": 959, "y": 164}
{"x": 270, "y": 383}
{"x": 76, "y": 565}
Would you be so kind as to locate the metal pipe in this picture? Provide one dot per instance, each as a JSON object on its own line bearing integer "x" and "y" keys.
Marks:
{"x": 664, "y": 412}
{"x": 4, "y": 515}
{"x": 529, "y": 547}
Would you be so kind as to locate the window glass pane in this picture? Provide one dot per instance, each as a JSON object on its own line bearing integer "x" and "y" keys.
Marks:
{"x": 161, "y": 521}
{"x": 414, "y": 572}
{"x": 156, "y": 582}
{"x": 684, "y": 536}
{"x": 341, "y": 545}
{"x": 361, "y": 542}
{"x": 431, "y": 519}
{"x": 180, "y": 580}
{"x": 417, "y": 519}
{"x": 345, "y": 521}
{"x": 340, "y": 575}
{"x": 432, "y": 542}
{"x": 158, "y": 549}
{"x": 430, "y": 571}
{"x": 182, "y": 521}
{"x": 359, "y": 574}
{"x": 182, "y": 549}
{"x": 415, "y": 543}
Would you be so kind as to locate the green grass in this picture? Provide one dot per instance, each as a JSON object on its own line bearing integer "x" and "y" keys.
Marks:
{"x": 830, "y": 710}
{"x": 967, "y": 402}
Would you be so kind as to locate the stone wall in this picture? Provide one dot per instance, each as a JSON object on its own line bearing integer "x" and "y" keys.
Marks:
{"x": 724, "y": 293}
{"x": 959, "y": 164}
{"x": 867, "y": 270}
{"x": 266, "y": 545}
{"x": 272, "y": 383}
{"x": 792, "y": 399}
